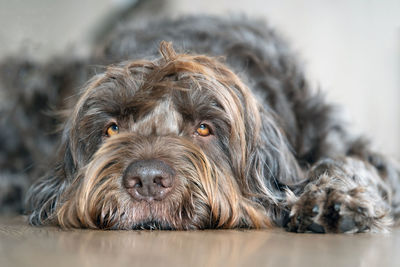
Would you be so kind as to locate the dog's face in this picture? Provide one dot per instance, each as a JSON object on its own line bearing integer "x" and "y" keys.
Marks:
{"x": 178, "y": 143}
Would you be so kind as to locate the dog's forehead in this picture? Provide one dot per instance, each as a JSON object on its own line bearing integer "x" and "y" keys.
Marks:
{"x": 189, "y": 94}
{"x": 162, "y": 119}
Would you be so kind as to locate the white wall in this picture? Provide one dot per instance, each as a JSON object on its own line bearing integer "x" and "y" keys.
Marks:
{"x": 350, "y": 47}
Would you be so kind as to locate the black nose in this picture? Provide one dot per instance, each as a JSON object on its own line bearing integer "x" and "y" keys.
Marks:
{"x": 149, "y": 179}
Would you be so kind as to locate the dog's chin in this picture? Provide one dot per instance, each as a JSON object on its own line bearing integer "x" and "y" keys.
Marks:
{"x": 152, "y": 225}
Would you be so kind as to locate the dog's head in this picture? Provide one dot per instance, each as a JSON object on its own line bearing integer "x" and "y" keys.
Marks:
{"x": 179, "y": 142}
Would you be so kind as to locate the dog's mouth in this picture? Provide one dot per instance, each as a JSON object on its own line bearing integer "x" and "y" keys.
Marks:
{"x": 152, "y": 225}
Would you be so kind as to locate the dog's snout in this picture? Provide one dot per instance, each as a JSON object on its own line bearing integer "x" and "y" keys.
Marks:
{"x": 149, "y": 179}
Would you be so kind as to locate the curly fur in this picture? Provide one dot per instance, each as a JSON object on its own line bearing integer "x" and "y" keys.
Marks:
{"x": 265, "y": 163}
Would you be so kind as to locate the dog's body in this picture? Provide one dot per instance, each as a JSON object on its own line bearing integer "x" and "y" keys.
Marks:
{"x": 223, "y": 133}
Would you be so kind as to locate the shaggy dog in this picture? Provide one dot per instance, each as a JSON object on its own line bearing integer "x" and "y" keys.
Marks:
{"x": 203, "y": 122}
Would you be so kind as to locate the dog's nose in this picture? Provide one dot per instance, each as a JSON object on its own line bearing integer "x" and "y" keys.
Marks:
{"x": 149, "y": 179}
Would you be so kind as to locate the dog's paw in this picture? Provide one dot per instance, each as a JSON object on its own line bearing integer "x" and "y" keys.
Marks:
{"x": 329, "y": 207}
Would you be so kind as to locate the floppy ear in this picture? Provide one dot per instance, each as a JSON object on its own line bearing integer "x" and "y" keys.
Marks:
{"x": 262, "y": 158}
{"x": 270, "y": 162}
{"x": 44, "y": 195}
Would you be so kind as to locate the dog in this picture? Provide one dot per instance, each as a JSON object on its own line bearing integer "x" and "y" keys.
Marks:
{"x": 208, "y": 123}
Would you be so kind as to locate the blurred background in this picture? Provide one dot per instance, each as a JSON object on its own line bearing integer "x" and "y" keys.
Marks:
{"x": 350, "y": 48}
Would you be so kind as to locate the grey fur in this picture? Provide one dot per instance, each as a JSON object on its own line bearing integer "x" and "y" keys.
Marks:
{"x": 299, "y": 131}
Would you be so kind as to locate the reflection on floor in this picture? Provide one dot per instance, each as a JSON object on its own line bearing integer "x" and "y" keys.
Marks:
{"x": 23, "y": 245}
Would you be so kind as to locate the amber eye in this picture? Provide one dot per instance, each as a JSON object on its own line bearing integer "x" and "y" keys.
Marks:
{"x": 112, "y": 130}
{"x": 203, "y": 130}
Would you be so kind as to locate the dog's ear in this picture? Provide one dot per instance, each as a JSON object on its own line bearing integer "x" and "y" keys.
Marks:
{"x": 43, "y": 198}
{"x": 260, "y": 153}
{"x": 270, "y": 162}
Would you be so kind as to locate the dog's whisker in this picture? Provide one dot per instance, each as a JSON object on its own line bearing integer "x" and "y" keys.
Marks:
{"x": 227, "y": 135}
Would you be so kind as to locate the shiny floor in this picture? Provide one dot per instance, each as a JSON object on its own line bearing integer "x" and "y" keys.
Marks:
{"x": 23, "y": 245}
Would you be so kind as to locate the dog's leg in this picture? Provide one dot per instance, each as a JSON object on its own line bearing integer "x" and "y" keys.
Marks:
{"x": 345, "y": 195}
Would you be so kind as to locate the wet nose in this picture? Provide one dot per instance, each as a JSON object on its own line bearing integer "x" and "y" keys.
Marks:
{"x": 149, "y": 180}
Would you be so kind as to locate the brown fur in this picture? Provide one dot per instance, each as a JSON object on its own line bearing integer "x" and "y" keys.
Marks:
{"x": 264, "y": 164}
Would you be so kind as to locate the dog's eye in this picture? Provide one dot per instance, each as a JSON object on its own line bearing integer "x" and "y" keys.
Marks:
{"x": 203, "y": 130}
{"x": 112, "y": 130}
